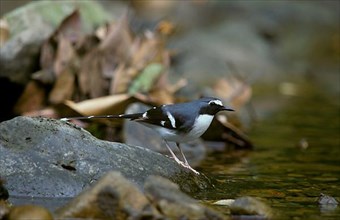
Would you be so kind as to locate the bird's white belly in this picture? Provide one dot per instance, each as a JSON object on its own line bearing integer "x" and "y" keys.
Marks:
{"x": 201, "y": 125}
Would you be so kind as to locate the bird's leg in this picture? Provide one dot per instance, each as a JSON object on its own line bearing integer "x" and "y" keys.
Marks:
{"x": 186, "y": 164}
{"x": 173, "y": 155}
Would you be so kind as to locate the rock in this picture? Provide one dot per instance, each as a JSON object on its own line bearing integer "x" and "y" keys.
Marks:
{"x": 250, "y": 206}
{"x": 113, "y": 196}
{"x": 50, "y": 158}
{"x": 327, "y": 200}
{"x": 327, "y": 203}
{"x": 174, "y": 204}
{"x": 26, "y": 212}
{"x": 137, "y": 134}
{"x": 19, "y": 57}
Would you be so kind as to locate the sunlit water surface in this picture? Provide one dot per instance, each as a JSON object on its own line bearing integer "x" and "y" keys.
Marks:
{"x": 296, "y": 157}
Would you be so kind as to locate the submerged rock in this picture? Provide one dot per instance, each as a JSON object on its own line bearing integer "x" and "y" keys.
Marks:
{"x": 50, "y": 158}
{"x": 327, "y": 203}
{"x": 113, "y": 196}
{"x": 250, "y": 206}
{"x": 174, "y": 204}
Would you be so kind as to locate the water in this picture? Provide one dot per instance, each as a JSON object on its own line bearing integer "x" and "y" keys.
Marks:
{"x": 297, "y": 157}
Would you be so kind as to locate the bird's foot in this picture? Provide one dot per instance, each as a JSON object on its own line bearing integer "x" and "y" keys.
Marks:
{"x": 186, "y": 165}
{"x": 190, "y": 168}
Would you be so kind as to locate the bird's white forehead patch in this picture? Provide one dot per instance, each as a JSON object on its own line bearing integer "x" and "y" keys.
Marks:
{"x": 172, "y": 119}
{"x": 216, "y": 101}
{"x": 145, "y": 115}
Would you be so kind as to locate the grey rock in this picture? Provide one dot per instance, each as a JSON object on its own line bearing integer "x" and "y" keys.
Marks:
{"x": 327, "y": 200}
{"x": 173, "y": 203}
{"x": 19, "y": 57}
{"x": 327, "y": 204}
{"x": 250, "y": 206}
{"x": 113, "y": 196}
{"x": 42, "y": 157}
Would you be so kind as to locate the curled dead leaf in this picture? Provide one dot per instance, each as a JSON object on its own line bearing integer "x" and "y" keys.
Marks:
{"x": 106, "y": 105}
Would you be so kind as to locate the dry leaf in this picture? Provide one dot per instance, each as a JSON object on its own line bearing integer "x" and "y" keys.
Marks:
{"x": 65, "y": 56}
{"x": 238, "y": 93}
{"x": 63, "y": 88}
{"x": 47, "y": 55}
{"x": 161, "y": 96}
{"x": 166, "y": 28}
{"x": 100, "y": 65}
{"x": 91, "y": 81}
{"x": 70, "y": 28}
{"x": 106, "y": 105}
{"x": 32, "y": 99}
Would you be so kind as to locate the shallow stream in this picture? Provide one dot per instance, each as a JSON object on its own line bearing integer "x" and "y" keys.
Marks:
{"x": 296, "y": 157}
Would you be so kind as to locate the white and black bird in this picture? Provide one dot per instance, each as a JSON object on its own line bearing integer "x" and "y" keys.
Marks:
{"x": 182, "y": 122}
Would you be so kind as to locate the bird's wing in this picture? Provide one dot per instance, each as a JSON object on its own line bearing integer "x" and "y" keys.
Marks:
{"x": 158, "y": 116}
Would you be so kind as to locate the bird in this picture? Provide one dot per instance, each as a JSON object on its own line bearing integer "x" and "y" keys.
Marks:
{"x": 179, "y": 123}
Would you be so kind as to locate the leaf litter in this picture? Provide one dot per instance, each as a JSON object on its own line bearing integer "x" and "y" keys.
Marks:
{"x": 105, "y": 71}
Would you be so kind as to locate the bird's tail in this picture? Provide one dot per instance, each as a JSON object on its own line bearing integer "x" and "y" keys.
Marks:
{"x": 128, "y": 116}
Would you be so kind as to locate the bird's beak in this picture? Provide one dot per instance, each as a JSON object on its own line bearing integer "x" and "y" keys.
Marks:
{"x": 226, "y": 109}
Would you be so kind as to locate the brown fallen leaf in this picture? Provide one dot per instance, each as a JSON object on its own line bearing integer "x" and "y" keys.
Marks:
{"x": 99, "y": 66}
{"x": 238, "y": 93}
{"x": 70, "y": 28}
{"x": 166, "y": 28}
{"x": 63, "y": 88}
{"x": 106, "y": 105}
{"x": 65, "y": 56}
{"x": 33, "y": 98}
{"x": 92, "y": 84}
{"x": 57, "y": 51}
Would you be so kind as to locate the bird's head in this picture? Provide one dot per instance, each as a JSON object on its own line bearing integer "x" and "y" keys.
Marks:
{"x": 212, "y": 106}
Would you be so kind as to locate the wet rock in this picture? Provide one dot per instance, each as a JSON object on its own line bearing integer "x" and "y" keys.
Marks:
{"x": 174, "y": 204}
{"x": 327, "y": 200}
{"x": 327, "y": 203}
{"x": 27, "y": 212}
{"x": 140, "y": 135}
{"x": 113, "y": 196}
{"x": 50, "y": 158}
{"x": 250, "y": 206}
